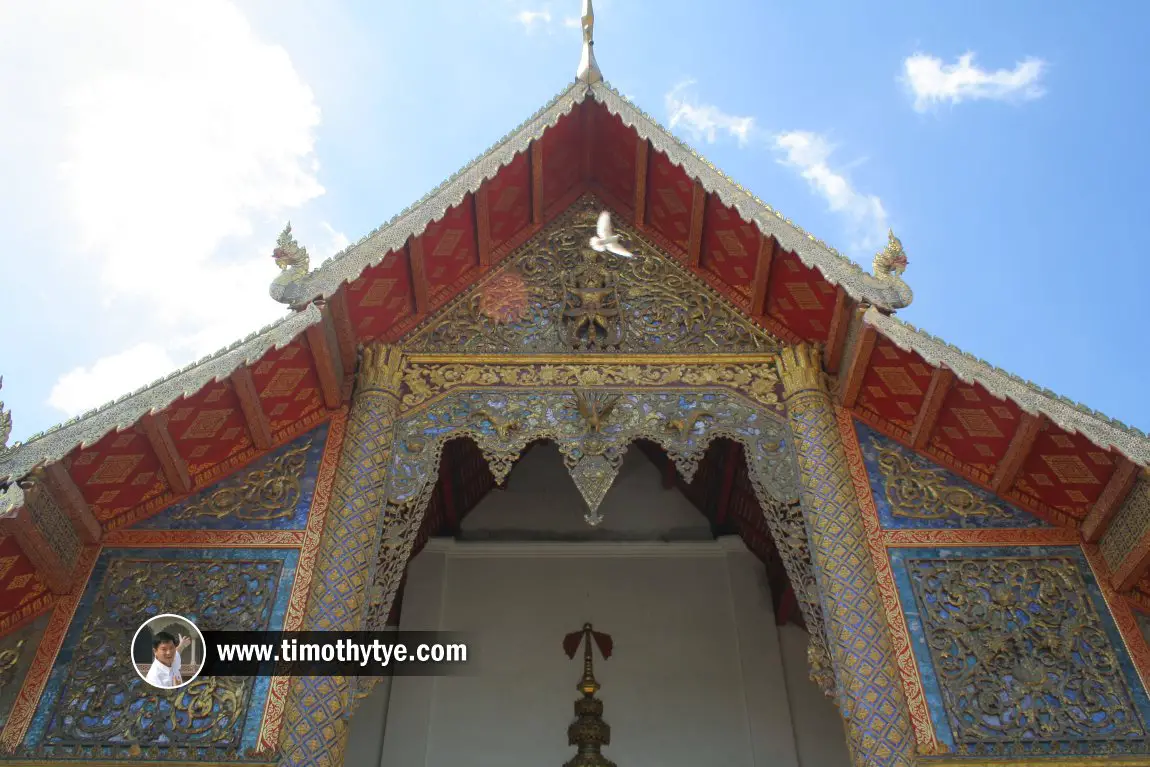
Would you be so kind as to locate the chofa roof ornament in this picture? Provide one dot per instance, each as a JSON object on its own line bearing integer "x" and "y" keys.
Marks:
{"x": 288, "y": 287}
{"x": 888, "y": 267}
{"x": 5, "y": 423}
{"x": 588, "y": 71}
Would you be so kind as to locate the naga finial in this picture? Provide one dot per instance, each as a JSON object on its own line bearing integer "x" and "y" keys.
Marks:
{"x": 288, "y": 252}
{"x": 5, "y": 422}
{"x": 891, "y": 260}
{"x": 293, "y": 262}
{"x": 588, "y": 71}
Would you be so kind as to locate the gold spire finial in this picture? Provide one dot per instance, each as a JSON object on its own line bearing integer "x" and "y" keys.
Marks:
{"x": 588, "y": 71}
{"x": 588, "y": 733}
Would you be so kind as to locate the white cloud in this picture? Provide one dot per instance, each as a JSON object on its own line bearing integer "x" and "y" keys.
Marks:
{"x": 809, "y": 154}
{"x": 533, "y": 19}
{"x": 177, "y": 142}
{"x": 573, "y": 22}
{"x": 704, "y": 122}
{"x": 931, "y": 82}
{"x": 110, "y": 377}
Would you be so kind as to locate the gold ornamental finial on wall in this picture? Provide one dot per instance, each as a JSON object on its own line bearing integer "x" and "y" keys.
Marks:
{"x": 800, "y": 368}
{"x": 381, "y": 367}
{"x": 588, "y": 733}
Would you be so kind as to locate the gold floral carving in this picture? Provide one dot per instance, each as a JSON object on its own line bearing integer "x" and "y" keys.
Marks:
{"x": 268, "y": 493}
{"x": 919, "y": 491}
{"x": 550, "y": 296}
{"x": 800, "y": 369}
{"x": 98, "y": 711}
{"x": 486, "y": 415}
{"x": 381, "y": 368}
{"x": 755, "y": 379}
{"x": 1021, "y": 656}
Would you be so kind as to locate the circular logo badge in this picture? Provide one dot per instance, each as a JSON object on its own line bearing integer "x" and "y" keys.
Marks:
{"x": 168, "y": 651}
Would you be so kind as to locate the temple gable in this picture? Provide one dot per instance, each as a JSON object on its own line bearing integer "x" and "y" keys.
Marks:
{"x": 556, "y": 295}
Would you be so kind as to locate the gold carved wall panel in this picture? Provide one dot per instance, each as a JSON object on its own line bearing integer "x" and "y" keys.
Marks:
{"x": 555, "y": 294}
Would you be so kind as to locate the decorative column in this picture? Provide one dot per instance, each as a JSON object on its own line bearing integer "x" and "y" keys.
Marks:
{"x": 315, "y": 720}
{"x": 869, "y": 691}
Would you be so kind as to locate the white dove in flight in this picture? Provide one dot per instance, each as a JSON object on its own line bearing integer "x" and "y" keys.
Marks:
{"x": 606, "y": 239}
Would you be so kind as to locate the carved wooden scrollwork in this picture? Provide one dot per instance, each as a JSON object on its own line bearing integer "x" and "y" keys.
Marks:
{"x": 554, "y": 295}
{"x": 503, "y": 421}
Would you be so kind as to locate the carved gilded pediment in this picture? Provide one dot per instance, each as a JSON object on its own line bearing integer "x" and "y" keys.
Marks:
{"x": 557, "y": 295}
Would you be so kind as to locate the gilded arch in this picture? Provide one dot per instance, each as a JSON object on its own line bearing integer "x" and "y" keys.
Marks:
{"x": 682, "y": 404}
{"x": 663, "y": 358}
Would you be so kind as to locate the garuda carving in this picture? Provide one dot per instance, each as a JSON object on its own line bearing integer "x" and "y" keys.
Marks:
{"x": 555, "y": 294}
{"x": 592, "y": 318}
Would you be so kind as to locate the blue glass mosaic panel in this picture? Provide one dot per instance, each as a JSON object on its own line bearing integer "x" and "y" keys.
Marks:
{"x": 913, "y": 493}
{"x": 1018, "y": 653}
{"x": 272, "y": 493}
{"x": 94, "y": 698}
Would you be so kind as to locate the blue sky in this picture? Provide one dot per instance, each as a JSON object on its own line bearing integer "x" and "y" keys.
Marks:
{"x": 150, "y": 153}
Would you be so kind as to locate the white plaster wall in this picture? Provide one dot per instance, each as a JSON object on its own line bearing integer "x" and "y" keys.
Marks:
{"x": 698, "y": 675}
{"x": 820, "y": 733}
{"x": 540, "y": 501}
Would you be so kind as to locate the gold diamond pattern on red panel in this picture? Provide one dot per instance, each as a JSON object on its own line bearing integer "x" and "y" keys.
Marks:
{"x": 562, "y": 163}
{"x": 669, "y": 192}
{"x": 509, "y": 200}
{"x": 800, "y": 298}
{"x": 895, "y": 384}
{"x": 975, "y": 428}
{"x": 449, "y": 250}
{"x": 287, "y": 384}
{"x": 22, "y": 594}
{"x": 613, "y": 157}
{"x": 730, "y": 246}
{"x": 208, "y": 427}
{"x": 120, "y": 471}
{"x": 1065, "y": 471}
{"x": 381, "y": 298}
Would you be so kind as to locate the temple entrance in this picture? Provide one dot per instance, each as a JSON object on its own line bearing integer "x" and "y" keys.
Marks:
{"x": 709, "y": 664}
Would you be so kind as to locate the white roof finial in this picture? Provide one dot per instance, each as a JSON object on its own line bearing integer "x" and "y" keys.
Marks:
{"x": 588, "y": 68}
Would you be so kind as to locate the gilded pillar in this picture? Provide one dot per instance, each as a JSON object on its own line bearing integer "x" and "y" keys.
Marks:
{"x": 869, "y": 693}
{"x": 315, "y": 720}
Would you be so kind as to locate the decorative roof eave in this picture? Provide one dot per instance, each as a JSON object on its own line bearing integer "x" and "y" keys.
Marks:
{"x": 349, "y": 264}
{"x": 888, "y": 293}
{"x": 87, "y": 429}
{"x": 1073, "y": 417}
